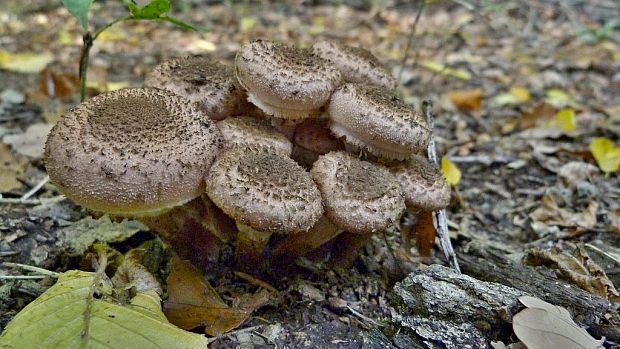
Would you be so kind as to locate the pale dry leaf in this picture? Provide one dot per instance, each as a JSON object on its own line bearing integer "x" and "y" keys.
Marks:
{"x": 543, "y": 325}
{"x": 550, "y": 214}
{"x": 31, "y": 142}
{"x": 10, "y": 169}
{"x": 614, "y": 220}
{"x": 575, "y": 172}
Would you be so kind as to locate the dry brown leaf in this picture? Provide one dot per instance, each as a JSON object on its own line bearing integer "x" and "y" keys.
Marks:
{"x": 192, "y": 302}
{"x": 425, "y": 233}
{"x": 579, "y": 269}
{"x": 31, "y": 142}
{"x": 10, "y": 169}
{"x": 540, "y": 113}
{"x": 614, "y": 220}
{"x": 58, "y": 84}
{"x": 543, "y": 325}
{"x": 466, "y": 99}
{"x": 550, "y": 214}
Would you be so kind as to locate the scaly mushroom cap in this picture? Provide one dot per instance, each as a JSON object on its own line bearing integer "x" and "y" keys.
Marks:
{"x": 285, "y": 81}
{"x": 132, "y": 152}
{"x": 264, "y": 190}
{"x": 358, "y": 196}
{"x": 355, "y": 64}
{"x": 213, "y": 86}
{"x": 423, "y": 183}
{"x": 251, "y": 131}
{"x": 313, "y": 138}
{"x": 377, "y": 120}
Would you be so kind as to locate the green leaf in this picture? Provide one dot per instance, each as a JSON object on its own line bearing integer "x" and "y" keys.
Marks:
{"x": 80, "y": 311}
{"x": 153, "y": 10}
{"x": 79, "y": 9}
{"x": 182, "y": 24}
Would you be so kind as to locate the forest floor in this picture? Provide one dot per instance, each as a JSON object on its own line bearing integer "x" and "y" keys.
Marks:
{"x": 498, "y": 74}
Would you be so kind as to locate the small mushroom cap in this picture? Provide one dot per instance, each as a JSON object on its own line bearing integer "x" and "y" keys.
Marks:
{"x": 358, "y": 196}
{"x": 423, "y": 183}
{"x": 377, "y": 120}
{"x": 312, "y": 138}
{"x": 356, "y": 64}
{"x": 285, "y": 81}
{"x": 257, "y": 132}
{"x": 212, "y": 85}
{"x": 132, "y": 152}
{"x": 264, "y": 190}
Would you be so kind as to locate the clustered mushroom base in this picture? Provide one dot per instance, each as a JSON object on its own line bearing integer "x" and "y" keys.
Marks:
{"x": 273, "y": 176}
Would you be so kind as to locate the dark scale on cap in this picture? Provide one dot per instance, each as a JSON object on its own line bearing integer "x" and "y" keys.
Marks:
{"x": 212, "y": 85}
{"x": 358, "y": 196}
{"x": 355, "y": 63}
{"x": 285, "y": 81}
{"x": 132, "y": 152}
{"x": 264, "y": 190}
{"x": 377, "y": 120}
{"x": 423, "y": 183}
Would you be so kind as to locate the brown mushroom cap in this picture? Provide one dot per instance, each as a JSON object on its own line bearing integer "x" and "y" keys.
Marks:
{"x": 423, "y": 183}
{"x": 212, "y": 85}
{"x": 257, "y": 132}
{"x": 377, "y": 120}
{"x": 312, "y": 138}
{"x": 264, "y": 190}
{"x": 358, "y": 196}
{"x": 355, "y": 64}
{"x": 285, "y": 81}
{"x": 132, "y": 152}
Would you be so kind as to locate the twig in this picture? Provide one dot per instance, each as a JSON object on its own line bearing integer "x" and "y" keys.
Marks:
{"x": 232, "y": 333}
{"x": 33, "y": 269}
{"x": 256, "y": 281}
{"x": 20, "y": 201}
{"x": 441, "y": 215}
{"x": 22, "y": 277}
{"x": 410, "y": 39}
{"x": 36, "y": 188}
{"x": 364, "y": 317}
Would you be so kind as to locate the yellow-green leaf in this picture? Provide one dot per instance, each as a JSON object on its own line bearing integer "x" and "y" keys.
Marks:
{"x": 565, "y": 119}
{"x": 558, "y": 98}
{"x": 247, "y": 23}
{"x": 450, "y": 171}
{"x": 68, "y": 315}
{"x": 606, "y": 154}
{"x": 515, "y": 95}
{"x": 24, "y": 62}
{"x": 444, "y": 70}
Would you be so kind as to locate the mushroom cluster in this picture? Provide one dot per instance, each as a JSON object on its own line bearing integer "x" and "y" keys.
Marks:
{"x": 293, "y": 147}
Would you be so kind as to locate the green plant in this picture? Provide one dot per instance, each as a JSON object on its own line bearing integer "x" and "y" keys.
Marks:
{"x": 599, "y": 34}
{"x": 154, "y": 10}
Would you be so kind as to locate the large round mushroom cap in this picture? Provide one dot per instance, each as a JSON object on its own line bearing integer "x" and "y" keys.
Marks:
{"x": 359, "y": 196}
{"x": 244, "y": 130}
{"x": 285, "y": 81}
{"x": 132, "y": 152}
{"x": 377, "y": 120}
{"x": 423, "y": 183}
{"x": 264, "y": 190}
{"x": 212, "y": 85}
{"x": 356, "y": 64}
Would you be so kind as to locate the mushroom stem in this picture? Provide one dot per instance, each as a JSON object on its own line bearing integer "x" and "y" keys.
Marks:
{"x": 346, "y": 247}
{"x": 287, "y": 250}
{"x": 250, "y": 246}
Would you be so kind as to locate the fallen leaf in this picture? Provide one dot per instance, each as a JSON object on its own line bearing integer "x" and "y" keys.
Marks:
{"x": 10, "y": 169}
{"x": 246, "y": 24}
{"x": 58, "y": 84}
{"x": 606, "y": 154}
{"x": 559, "y": 98}
{"x": 543, "y": 325}
{"x": 540, "y": 113}
{"x": 24, "y": 62}
{"x": 425, "y": 233}
{"x": 84, "y": 306}
{"x": 578, "y": 268}
{"x": 192, "y": 302}
{"x": 31, "y": 142}
{"x": 575, "y": 172}
{"x": 444, "y": 70}
{"x": 515, "y": 95}
{"x": 450, "y": 171}
{"x": 201, "y": 46}
{"x": 79, "y": 236}
{"x": 565, "y": 120}
{"x": 614, "y": 220}
{"x": 550, "y": 214}
{"x": 466, "y": 99}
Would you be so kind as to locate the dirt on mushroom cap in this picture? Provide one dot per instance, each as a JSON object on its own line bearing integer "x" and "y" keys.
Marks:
{"x": 132, "y": 152}
{"x": 358, "y": 196}
{"x": 267, "y": 191}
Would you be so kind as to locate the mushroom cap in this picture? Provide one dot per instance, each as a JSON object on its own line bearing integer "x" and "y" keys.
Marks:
{"x": 423, "y": 183}
{"x": 358, "y": 196}
{"x": 312, "y": 138}
{"x": 246, "y": 130}
{"x": 210, "y": 84}
{"x": 285, "y": 81}
{"x": 132, "y": 152}
{"x": 377, "y": 120}
{"x": 264, "y": 190}
{"x": 356, "y": 64}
